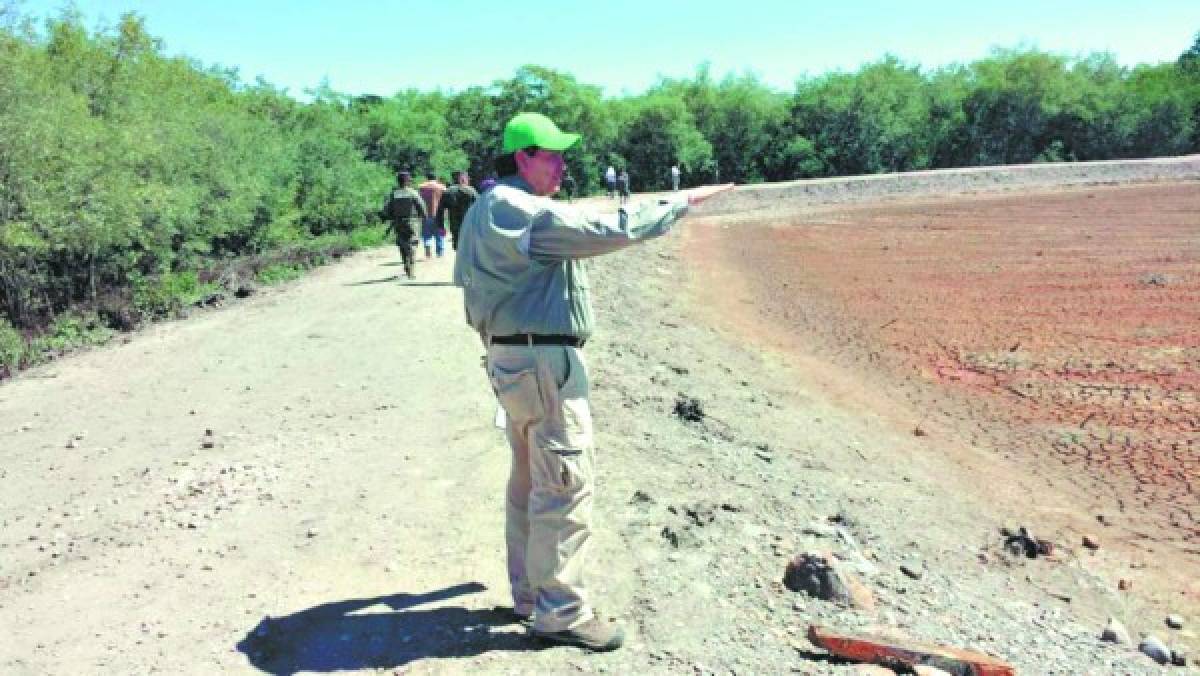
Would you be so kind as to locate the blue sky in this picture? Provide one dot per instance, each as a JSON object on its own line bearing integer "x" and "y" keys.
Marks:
{"x": 624, "y": 46}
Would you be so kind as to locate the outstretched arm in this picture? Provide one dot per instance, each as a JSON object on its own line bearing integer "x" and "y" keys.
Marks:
{"x": 562, "y": 234}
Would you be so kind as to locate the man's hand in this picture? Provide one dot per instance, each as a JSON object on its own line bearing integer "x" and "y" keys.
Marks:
{"x": 697, "y": 195}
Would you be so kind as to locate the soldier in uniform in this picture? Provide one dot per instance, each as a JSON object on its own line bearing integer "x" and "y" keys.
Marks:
{"x": 405, "y": 211}
{"x": 455, "y": 201}
{"x": 525, "y": 291}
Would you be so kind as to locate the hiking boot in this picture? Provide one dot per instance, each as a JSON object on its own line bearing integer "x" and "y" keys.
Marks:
{"x": 595, "y": 635}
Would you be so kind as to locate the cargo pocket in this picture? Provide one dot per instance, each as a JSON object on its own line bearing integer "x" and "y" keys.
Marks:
{"x": 568, "y": 424}
{"x": 574, "y": 470}
{"x": 518, "y": 392}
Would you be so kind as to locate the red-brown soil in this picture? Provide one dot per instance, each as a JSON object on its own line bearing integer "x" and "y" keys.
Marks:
{"x": 1058, "y": 329}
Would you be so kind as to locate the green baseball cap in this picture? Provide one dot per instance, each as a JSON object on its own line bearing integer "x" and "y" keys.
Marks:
{"x": 535, "y": 129}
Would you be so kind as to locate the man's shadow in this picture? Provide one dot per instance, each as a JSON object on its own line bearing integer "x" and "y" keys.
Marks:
{"x": 337, "y": 637}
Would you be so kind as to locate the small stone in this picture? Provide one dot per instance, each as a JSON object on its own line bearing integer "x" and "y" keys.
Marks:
{"x": 1155, "y": 649}
{"x": 1178, "y": 659}
{"x": 1091, "y": 542}
{"x": 911, "y": 571}
{"x": 640, "y": 496}
{"x": 313, "y": 532}
{"x": 1124, "y": 584}
{"x": 1175, "y": 621}
{"x": 1115, "y": 632}
{"x": 71, "y": 443}
{"x": 822, "y": 576}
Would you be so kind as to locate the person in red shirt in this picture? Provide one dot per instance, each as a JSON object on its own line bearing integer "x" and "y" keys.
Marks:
{"x": 431, "y": 233}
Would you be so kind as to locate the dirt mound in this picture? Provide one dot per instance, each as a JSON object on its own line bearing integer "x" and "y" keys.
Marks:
{"x": 852, "y": 189}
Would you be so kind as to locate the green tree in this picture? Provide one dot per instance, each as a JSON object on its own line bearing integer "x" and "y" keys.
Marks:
{"x": 1189, "y": 68}
{"x": 873, "y": 121}
{"x": 1015, "y": 97}
{"x": 661, "y": 132}
{"x": 739, "y": 117}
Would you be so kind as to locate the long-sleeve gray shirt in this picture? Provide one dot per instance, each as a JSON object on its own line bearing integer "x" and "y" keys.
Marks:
{"x": 519, "y": 258}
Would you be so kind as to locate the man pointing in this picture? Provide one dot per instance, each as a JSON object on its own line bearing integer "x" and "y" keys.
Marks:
{"x": 525, "y": 291}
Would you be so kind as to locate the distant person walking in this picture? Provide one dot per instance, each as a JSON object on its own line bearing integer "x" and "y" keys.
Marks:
{"x": 525, "y": 292}
{"x": 455, "y": 201}
{"x": 623, "y": 186}
{"x": 610, "y": 180}
{"x": 675, "y": 173}
{"x": 431, "y": 191}
{"x": 405, "y": 212}
{"x": 568, "y": 186}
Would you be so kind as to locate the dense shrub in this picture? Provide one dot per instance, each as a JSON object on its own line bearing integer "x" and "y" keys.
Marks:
{"x": 12, "y": 346}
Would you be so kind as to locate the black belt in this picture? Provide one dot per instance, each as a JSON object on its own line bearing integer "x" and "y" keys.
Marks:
{"x": 538, "y": 339}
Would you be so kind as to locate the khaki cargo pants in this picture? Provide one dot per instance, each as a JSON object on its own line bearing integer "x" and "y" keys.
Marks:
{"x": 544, "y": 392}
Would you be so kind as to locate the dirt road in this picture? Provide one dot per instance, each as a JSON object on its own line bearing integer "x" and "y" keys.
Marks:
{"x": 351, "y": 459}
{"x": 348, "y": 514}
